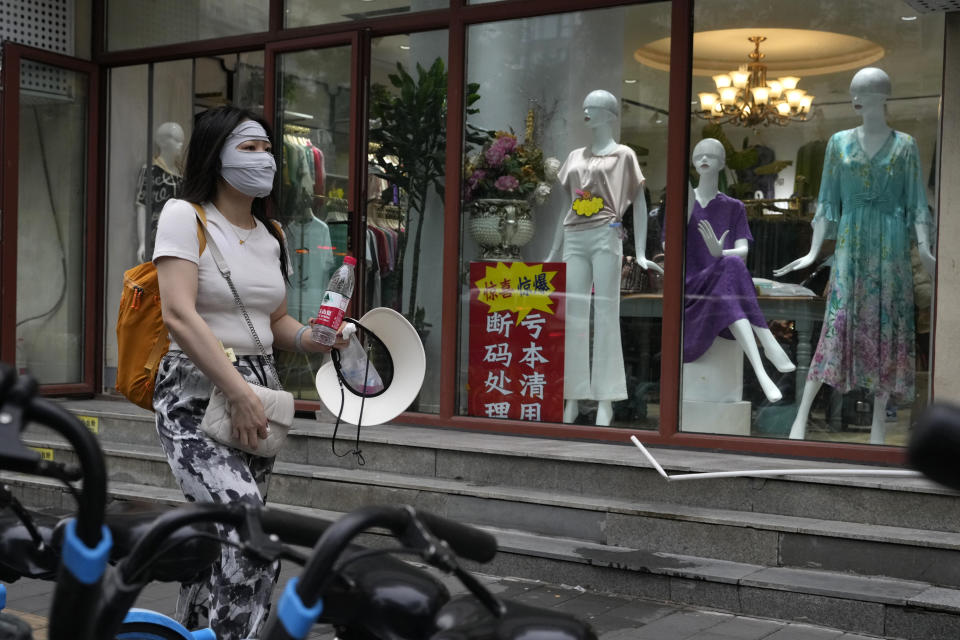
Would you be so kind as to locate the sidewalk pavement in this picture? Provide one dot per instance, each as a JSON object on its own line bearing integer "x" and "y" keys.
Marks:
{"x": 614, "y": 617}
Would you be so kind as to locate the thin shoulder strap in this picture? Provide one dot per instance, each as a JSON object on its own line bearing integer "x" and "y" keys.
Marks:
{"x": 201, "y": 224}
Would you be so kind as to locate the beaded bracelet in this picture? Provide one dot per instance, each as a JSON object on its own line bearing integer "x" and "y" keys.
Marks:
{"x": 298, "y": 340}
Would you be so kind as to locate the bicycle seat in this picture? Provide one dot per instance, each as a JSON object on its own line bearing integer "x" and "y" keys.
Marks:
{"x": 20, "y": 557}
{"x": 185, "y": 554}
{"x": 385, "y": 596}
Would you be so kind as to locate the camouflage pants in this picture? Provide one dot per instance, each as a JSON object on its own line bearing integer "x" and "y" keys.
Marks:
{"x": 233, "y": 595}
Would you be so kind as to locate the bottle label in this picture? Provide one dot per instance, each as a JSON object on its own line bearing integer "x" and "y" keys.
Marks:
{"x": 332, "y": 309}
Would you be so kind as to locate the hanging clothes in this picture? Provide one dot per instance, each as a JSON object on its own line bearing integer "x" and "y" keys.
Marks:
{"x": 311, "y": 257}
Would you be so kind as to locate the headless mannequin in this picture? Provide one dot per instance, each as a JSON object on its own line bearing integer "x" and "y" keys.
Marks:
{"x": 600, "y": 110}
{"x": 869, "y": 91}
{"x": 709, "y": 158}
{"x": 169, "y": 140}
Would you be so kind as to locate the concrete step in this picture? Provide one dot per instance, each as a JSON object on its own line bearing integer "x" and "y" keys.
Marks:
{"x": 755, "y": 538}
{"x": 606, "y": 470}
{"x": 879, "y": 606}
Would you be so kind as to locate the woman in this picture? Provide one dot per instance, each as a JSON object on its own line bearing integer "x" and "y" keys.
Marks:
{"x": 230, "y": 172}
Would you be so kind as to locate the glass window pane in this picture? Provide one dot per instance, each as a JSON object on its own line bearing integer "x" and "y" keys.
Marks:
{"x": 313, "y": 117}
{"x": 150, "y": 121}
{"x": 133, "y": 24}
{"x": 576, "y": 339}
{"x": 788, "y": 152}
{"x": 405, "y": 178}
{"x": 305, "y": 13}
{"x": 51, "y": 222}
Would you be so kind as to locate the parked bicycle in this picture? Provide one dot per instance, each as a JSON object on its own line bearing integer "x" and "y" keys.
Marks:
{"x": 365, "y": 593}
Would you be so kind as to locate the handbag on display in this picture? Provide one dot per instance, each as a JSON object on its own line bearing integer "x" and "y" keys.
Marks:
{"x": 633, "y": 279}
{"x": 277, "y": 403}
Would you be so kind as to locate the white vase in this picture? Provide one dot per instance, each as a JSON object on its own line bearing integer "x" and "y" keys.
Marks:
{"x": 501, "y": 227}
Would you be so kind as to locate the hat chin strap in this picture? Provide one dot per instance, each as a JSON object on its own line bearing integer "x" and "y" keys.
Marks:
{"x": 343, "y": 401}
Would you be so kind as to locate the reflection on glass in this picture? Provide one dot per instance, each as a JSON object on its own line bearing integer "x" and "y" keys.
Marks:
{"x": 305, "y": 13}
{"x": 51, "y": 216}
{"x": 847, "y": 297}
{"x": 147, "y": 149}
{"x": 313, "y": 119}
{"x": 133, "y": 24}
{"x": 405, "y": 186}
{"x": 563, "y": 175}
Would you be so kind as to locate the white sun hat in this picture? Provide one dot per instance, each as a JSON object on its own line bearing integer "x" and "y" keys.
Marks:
{"x": 409, "y": 364}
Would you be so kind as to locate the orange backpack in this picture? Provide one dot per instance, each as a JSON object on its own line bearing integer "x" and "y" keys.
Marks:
{"x": 142, "y": 338}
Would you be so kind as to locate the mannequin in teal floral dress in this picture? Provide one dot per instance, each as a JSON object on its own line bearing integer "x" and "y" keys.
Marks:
{"x": 873, "y": 201}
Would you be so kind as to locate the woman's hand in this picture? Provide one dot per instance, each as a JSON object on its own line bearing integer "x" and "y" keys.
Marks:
{"x": 247, "y": 418}
{"x": 312, "y": 346}
{"x": 714, "y": 244}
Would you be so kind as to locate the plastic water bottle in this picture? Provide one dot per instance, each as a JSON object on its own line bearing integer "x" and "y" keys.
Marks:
{"x": 334, "y": 304}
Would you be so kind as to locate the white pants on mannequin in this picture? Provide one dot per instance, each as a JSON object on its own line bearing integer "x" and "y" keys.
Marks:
{"x": 593, "y": 258}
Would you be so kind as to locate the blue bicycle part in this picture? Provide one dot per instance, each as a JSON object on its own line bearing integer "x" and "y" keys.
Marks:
{"x": 143, "y": 624}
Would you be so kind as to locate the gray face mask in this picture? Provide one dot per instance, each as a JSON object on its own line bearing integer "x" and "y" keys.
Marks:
{"x": 249, "y": 172}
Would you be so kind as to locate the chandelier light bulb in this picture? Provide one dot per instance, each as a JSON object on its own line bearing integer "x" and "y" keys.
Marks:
{"x": 740, "y": 78}
{"x": 708, "y": 101}
{"x": 775, "y": 88}
{"x": 728, "y": 95}
{"x": 722, "y": 81}
{"x": 789, "y": 82}
{"x": 761, "y": 95}
{"x": 794, "y": 96}
{"x": 806, "y": 103}
{"x": 783, "y": 108}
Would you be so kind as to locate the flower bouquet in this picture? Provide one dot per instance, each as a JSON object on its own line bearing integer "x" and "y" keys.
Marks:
{"x": 501, "y": 181}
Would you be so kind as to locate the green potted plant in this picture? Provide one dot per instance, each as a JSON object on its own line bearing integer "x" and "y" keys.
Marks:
{"x": 408, "y": 137}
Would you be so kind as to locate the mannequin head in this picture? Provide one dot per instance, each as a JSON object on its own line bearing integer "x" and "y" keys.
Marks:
{"x": 600, "y": 107}
{"x": 709, "y": 157}
{"x": 869, "y": 89}
{"x": 169, "y": 139}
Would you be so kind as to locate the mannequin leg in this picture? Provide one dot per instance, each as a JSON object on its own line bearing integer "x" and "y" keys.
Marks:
{"x": 604, "y": 413}
{"x": 798, "y": 431}
{"x": 878, "y": 428}
{"x": 741, "y": 331}
{"x": 571, "y": 409}
{"x": 608, "y": 379}
{"x": 772, "y": 349}
{"x": 576, "y": 352}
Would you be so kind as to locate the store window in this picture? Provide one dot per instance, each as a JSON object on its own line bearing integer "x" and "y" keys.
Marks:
{"x": 133, "y": 24}
{"x": 51, "y": 215}
{"x": 304, "y": 13}
{"x": 814, "y": 134}
{"x": 313, "y": 117}
{"x": 563, "y": 183}
{"x": 150, "y": 121}
{"x": 407, "y": 137}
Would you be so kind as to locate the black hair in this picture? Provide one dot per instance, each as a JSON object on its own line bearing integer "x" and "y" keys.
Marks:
{"x": 202, "y": 171}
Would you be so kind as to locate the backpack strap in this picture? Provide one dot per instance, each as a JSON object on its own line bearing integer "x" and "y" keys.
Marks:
{"x": 201, "y": 223}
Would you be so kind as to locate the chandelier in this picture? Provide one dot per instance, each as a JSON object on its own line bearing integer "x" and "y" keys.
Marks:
{"x": 746, "y": 98}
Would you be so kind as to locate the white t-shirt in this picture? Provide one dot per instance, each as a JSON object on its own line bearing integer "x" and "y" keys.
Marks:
{"x": 254, "y": 269}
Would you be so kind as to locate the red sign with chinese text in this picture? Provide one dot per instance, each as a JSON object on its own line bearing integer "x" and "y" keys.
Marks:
{"x": 516, "y": 340}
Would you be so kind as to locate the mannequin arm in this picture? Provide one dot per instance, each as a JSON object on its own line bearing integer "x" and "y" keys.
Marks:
{"x": 925, "y": 250}
{"x": 640, "y": 233}
{"x": 819, "y": 231}
{"x": 715, "y": 245}
{"x": 556, "y": 254}
{"x": 141, "y": 232}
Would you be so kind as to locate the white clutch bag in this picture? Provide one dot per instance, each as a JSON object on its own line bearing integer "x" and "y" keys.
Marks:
{"x": 278, "y": 405}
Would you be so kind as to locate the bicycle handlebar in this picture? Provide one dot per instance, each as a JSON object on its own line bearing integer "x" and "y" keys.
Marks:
{"x": 87, "y": 541}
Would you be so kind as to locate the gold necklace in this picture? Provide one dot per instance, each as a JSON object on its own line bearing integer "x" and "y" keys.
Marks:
{"x": 246, "y": 237}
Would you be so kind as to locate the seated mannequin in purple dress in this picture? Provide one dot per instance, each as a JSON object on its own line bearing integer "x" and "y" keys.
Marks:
{"x": 719, "y": 296}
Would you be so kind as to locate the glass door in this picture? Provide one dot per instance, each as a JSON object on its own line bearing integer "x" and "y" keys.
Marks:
{"x": 49, "y": 233}
{"x": 314, "y": 99}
